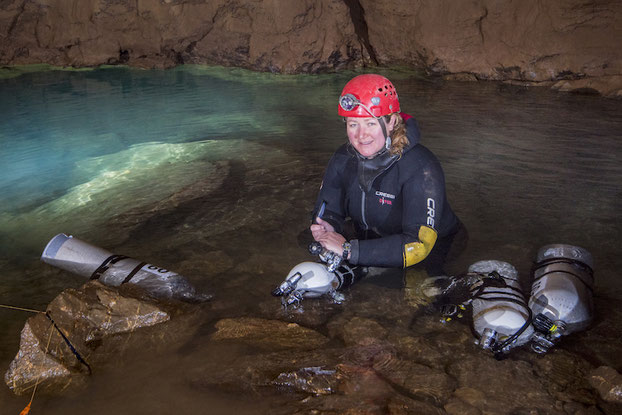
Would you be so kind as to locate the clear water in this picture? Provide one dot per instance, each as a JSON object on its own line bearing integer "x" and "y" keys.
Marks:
{"x": 212, "y": 172}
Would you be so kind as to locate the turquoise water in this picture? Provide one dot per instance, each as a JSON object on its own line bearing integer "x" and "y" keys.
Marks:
{"x": 211, "y": 172}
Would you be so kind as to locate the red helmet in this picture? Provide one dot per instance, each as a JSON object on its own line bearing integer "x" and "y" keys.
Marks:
{"x": 368, "y": 96}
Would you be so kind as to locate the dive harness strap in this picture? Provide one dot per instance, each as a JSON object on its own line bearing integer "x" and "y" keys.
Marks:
{"x": 551, "y": 261}
{"x": 113, "y": 259}
{"x": 134, "y": 271}
{"x": 494, "y": 279}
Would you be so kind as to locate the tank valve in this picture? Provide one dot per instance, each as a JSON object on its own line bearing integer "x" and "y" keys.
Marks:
{"x": 330, "y": 258}
{"x": 288, "y": 285}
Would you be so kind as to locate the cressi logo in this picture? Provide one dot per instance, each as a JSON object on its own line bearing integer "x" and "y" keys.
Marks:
{"x": 385, "y": 198}
{"x": 431, "y": 212}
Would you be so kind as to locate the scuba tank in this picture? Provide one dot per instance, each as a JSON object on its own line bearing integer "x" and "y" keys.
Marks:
{"x": 314, "y": 279}
{"x": 78, "y": 257}
{"x": 561, "y": 294}
{"x": 501, "y": 316}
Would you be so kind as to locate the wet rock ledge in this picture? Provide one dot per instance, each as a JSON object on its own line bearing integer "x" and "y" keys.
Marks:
{"x": 567, "y": 44}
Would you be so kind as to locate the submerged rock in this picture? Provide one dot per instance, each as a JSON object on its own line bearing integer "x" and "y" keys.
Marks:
{"x": 95, "y": 321}
{"x": 268, "y": 334}
{"x": 314, "y": 380}
{"x": 34, "y": 364}
{"x": 305, "y": 371}
{"x": 499, "y": 387}
{"x": 608, "y": 382}
{"x": 357, "y": 330}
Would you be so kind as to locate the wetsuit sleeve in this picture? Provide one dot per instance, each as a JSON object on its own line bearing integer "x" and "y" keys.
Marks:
{"x": 423, "y": 198}
{"x": 332, "y": 193}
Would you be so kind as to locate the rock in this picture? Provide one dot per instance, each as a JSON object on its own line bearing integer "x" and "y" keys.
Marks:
{"x": 608, "y": 382}
{"x": 417, "y": 349}
{"x": 268, "y": 334}
{"x": 526, "y": 41}
{"x": 357, "y": 330}
{"x": 34, "y": 364}
{"x": 314, "y": 380}
{"x": 401, "y": 405}
{"x": 499, "y": 387}
{"x": 305, "y": 36}
{"x": 313, "y": 313}
{"x": 565, "y": 375}
{"x": 431, "y": 385}
{"x": 302, "y": 371}
{"x": 462, "y": 76}
{"x": 97, "y": 321}
{"x": 458, "y": 407}
{"x": 529, "y": 40}
{"x": 608, "y": 86}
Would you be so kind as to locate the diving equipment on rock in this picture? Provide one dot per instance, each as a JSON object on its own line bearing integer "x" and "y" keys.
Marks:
{"x": 81, "y": 258}
{"x": 501, "y": 316}
{"x": 314, "y": 279}
{"x": 561, "y": 293}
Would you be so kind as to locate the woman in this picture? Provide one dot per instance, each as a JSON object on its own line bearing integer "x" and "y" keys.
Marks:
{"x": 386, "y": 184}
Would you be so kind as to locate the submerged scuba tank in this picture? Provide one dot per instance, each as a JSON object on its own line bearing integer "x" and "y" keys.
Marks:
{"x": 307, "y": 279}
{"x": 81, "y": 258}
{"x": 314, "y": 279}
{"x": 501, "y": 316}
{"x": 561, "y": 294}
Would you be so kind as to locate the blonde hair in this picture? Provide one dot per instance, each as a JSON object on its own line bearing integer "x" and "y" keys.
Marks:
{"x": 399, "y": 140}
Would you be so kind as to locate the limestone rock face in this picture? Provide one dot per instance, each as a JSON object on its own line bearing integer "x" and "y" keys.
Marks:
{"x": 528, "y": 40}
{"x": 524, "y": 41}
{"x": 268, "y": 35}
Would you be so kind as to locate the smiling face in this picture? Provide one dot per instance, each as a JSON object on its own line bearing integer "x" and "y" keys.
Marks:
{"x": 365, "y": 134}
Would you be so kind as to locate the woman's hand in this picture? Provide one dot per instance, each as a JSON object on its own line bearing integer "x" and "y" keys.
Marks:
{"x": 325, "y": 234}
{"x": 332, "y": 241}
{"x": 319, "y": 229}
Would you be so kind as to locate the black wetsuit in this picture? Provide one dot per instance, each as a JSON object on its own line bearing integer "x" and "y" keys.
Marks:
{"x": 388, "y": 199}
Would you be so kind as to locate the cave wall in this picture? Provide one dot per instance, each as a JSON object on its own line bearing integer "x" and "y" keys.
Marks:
{"x": 542, "y": 41}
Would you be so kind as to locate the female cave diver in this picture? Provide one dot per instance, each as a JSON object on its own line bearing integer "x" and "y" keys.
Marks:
{"x": 382, "y": 205}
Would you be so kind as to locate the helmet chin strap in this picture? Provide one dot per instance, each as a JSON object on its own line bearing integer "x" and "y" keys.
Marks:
{"x": 387, "y": 140}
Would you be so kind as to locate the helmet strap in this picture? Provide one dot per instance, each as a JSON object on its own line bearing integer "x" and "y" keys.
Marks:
{"x": 387, "y": 140}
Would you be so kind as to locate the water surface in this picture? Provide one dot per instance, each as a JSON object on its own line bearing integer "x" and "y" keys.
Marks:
{"x": 212, "y": 173}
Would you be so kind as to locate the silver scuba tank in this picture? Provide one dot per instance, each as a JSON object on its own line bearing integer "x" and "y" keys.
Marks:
{"x": 81, "y": 258}
{"x": 501, "y": 317}
{"x": 561, "y": 293}
{"x": 312, "y": 280}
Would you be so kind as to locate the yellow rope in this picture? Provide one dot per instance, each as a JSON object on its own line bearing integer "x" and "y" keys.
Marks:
{"x": 21, "y": 309}
{"x": 34, "y": 390}
{"x": 47, "y": 347}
